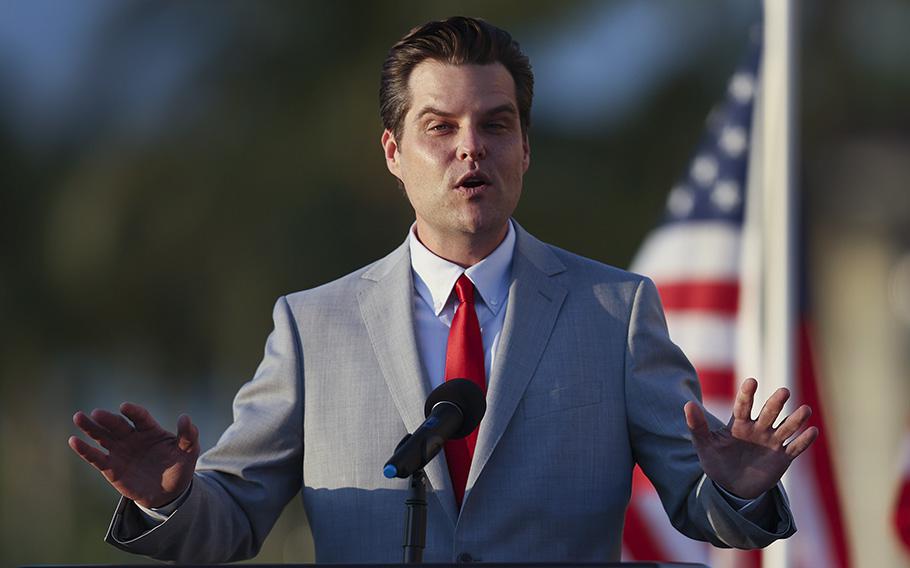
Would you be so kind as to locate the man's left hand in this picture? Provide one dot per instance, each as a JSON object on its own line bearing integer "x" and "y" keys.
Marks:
{"x": 748, "y": 457}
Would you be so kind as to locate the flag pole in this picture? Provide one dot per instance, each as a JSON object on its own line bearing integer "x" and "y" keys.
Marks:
{"x": 779, "y": 172}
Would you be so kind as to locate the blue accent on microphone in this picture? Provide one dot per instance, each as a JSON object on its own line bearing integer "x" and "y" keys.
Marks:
{"x": 390, "y": 471}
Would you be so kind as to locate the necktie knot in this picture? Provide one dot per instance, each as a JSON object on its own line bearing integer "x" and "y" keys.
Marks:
{"x": 464, "y": 289}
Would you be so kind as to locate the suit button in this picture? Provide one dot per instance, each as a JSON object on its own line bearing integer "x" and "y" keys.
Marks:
{"x": 465, "y": 557}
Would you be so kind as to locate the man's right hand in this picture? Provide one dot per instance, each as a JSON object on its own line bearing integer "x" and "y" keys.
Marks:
{"x": 145, "y": 462}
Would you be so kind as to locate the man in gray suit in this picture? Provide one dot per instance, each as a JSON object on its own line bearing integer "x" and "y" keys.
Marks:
{"x": 582, "y": 379}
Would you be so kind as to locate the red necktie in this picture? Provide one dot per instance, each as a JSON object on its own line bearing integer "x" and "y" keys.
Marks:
{"x": 464, "y": 360}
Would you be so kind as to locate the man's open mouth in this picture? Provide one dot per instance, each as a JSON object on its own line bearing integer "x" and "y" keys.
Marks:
{"x": 472, "y": 181}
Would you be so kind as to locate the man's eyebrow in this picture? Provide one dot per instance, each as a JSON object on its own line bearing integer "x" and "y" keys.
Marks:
{"x": 507, "y": 108}
{"x": 431, "y": 110}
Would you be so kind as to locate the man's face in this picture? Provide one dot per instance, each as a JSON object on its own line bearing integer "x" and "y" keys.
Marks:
{"x": 462, "y": 154}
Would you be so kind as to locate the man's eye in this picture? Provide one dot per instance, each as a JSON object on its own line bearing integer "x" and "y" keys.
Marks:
{"x": 439, "y": 127}
{"x": 496, "y": 126}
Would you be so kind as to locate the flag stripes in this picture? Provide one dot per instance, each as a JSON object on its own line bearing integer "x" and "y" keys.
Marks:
{"x": 718, "y": 297}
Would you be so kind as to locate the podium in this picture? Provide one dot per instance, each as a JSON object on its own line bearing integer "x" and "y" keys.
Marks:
{"x": 443, "y": 565}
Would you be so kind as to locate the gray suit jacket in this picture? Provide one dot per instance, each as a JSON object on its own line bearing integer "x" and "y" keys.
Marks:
{"x": 586, "y": 384}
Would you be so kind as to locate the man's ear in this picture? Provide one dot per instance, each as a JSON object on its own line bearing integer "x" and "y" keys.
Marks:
{"x": 390, "y": 149}
{"x": 526, "y": 159}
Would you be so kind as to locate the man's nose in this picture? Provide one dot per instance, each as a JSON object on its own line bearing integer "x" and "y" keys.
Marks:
{"x": 471, "y": 146}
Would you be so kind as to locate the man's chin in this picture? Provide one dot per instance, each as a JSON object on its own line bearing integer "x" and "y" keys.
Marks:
{"x": 484, "y": 228}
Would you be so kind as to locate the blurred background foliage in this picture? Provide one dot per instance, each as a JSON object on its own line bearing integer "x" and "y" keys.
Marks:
{"x": 169, "y": 169}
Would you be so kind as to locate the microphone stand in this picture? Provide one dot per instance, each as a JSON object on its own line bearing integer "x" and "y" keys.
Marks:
{"x": 415, "y": 530}
{"x": 452, "y": 411}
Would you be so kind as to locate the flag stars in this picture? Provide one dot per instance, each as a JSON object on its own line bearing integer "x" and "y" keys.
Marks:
{"x": 733, "y": 141}
{"x": 681, "y": 201}
{"x": 704, "y": 170}
{"x": 714, "y": 187}
{"x": 726, "y": 195}
{"x": 742, "y": 87}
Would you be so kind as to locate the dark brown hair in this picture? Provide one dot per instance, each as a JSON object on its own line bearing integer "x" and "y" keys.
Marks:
{"x": 457, "y": 41}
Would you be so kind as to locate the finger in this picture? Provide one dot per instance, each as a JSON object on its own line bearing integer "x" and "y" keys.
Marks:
{"x": 792, "y": 424}
{"x": 801, "y": 442}
{"x": 772, "y": 408}
{"x": 140, "y": 417}
{"x": 114, "y": 423}
{"x": 696, "y": 421}
{"x": 742, "y": 407}
{"x": 93, "y": 430}
{"x": 187, "y": 433}
{"x": 90, "y": 454}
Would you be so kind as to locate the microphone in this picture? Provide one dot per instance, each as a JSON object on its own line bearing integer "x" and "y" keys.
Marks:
{"x": 453, "y": 410}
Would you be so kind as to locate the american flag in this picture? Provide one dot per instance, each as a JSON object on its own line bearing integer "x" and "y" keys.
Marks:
{"x": 696, "y": 257}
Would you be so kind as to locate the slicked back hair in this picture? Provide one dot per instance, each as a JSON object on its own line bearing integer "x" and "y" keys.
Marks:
{"x": 457, "y": 40}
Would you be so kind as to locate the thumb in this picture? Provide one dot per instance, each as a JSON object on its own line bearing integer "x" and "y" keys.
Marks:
{"x": 695, "y": 420}
{"x": 187, "y": 434}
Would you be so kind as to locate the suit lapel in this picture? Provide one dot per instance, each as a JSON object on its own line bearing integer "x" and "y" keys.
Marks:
{"x": 387, "y": 310}
{"x": 533, "y": 306}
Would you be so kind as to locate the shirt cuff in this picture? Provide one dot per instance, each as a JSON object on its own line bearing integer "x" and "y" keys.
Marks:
{"x": 154, "y": 516}
{"x": 740, "y": 505}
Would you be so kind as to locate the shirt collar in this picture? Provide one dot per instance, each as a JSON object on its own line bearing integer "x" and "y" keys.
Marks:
{"x": 435, "y": 276}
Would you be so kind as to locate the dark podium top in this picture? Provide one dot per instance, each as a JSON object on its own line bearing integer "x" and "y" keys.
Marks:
{"x": 484, "y": 564}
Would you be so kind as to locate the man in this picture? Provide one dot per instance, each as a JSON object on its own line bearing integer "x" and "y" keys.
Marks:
{"x": 581, "y": 379}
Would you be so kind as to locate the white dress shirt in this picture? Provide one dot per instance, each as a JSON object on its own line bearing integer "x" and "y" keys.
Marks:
{"x": 435, "y": 304}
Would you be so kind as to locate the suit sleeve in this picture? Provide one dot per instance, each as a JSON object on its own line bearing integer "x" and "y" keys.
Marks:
{"x": 659, "y": 381}
{"x": 242, "y": 484}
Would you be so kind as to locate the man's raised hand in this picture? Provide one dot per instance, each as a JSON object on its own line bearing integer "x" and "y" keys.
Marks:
{"x": 748, "y": 457}
{"x": 144, "y": 462}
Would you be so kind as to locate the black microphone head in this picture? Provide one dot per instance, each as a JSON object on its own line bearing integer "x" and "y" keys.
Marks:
{"x": 464, "y": 394}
